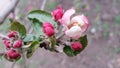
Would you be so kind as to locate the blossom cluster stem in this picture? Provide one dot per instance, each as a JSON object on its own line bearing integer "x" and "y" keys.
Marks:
{"x": 24, "y": 60}
{"x": 60, "y": 36}
{"x": 13, "y": 64}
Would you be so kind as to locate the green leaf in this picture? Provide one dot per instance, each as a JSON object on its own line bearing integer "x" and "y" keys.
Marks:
{"x": 37, "y": 26}
{"x": 53, "y": 42}
{"x": 41, "y": 16}
{"x": 32, "y": 49}
{"x": 31, "y": 37}
{"x": 11, "y": 20}
{"x": 16, "y": 26}
{"x": 30, "y": 52}
{"x": 68, "y": 51}
{"x": 33, "y": 44}
{"x": 83, "y": 41}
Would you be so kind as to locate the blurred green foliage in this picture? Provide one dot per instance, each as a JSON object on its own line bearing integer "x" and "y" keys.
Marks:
{"x": 117, "y": 19}
{"x": 51, "y": 4}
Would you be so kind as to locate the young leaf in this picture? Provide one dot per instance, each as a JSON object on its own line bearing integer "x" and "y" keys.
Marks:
{"x": 16, "y": 26}
{"x": 53, "y": 42}
{"x": 31, "y": 37}
{"x": 83, "y": 41}
{"x": 68, "y": 51}
{"x": 32, "y": 49}
{"x": 37, "y": 26}
{"x": 41, "y": 16}
{"x": 30, "y": 52}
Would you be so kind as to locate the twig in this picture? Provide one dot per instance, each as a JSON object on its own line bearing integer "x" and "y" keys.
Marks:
{"x": 24, "y": 60}
{"x": 3, "y": 36}
{"x": 59, "y": 36}
{"x": 8, "y": 10}
{"x": 1, "y": 54}
{"x": 13, "y": 64}
{"x": 43, "y": 4}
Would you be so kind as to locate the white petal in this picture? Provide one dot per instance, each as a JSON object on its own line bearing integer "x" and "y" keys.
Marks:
{"x": 74, "y": 32}
{"x": 86, "y": 23}
{"x": 82, "y": 20}
{"x": 79, "y": 20}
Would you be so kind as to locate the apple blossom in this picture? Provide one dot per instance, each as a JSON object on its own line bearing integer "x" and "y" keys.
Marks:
{"x": 48, "y": 29}
{"x": 76, "y": 25}
{"x": 76, "y": 46}
{"x": 58, "y": 13}
{"x": 13, "y": 54}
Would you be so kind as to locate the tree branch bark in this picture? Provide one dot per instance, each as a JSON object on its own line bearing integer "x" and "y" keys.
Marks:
{"x": 7, "y": 10}
{"x": 3, "y": 36}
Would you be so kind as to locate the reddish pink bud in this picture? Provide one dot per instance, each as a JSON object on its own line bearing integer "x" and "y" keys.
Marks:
{"x": 47, "y": 24}
{"x": 58, "y": 13}
{"x": 7, "y": 43}
{"x": 13, "y": 54}
{"x": 48, "y": 29}
{"x": 76, "y": 46}
{"x": 12, "y": 34}
{"x": 17, "y": 44}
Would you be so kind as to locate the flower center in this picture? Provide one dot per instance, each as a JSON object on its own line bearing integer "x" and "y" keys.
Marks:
{"x": 75, "y": 24}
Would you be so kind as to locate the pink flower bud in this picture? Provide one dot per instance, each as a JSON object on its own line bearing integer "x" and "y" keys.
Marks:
{"x": 12, "y": 34}
{"x": 17, "y": 44}
{"x": 13, "y": 54}
{"x": 7, "y": 43}
{"x": 76, "y": 46}
{"x": 58, "y": 13}
{"x": 47, "y": 24}
{"x": 48, "y": 29}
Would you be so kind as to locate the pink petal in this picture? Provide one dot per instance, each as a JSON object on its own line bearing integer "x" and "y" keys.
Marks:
{"x": 66, "y": 17}
{"x": 84, "y": 18}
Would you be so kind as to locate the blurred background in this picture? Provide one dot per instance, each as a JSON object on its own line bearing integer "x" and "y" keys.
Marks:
{"x": 103, "y": 50}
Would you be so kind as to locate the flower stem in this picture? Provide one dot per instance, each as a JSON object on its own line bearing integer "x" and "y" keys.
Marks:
{"x": 24, "y": 60}
{"x": 60, "y": 36}
{"x": 13, "y": 64}
{"x": 3, "y": 36}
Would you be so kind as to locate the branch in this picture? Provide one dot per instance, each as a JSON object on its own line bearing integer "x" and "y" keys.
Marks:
{"x": 60, "y": 36}
{"x": 7, "y": 10}
{"x": 13, "y": 64}
{"x": 1, "y": 54}
{"x": 43, "y": 4}
{"x": 3, "y": 36}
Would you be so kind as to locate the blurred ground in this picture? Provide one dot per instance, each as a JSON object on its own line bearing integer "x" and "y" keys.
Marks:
{"x": 103, "y": 49}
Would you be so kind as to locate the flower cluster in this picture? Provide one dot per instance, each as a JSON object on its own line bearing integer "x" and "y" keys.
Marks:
{"x": 73, "y": 26}
{"x": 62, "y": 31}
{"x": 13, "y": 44}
